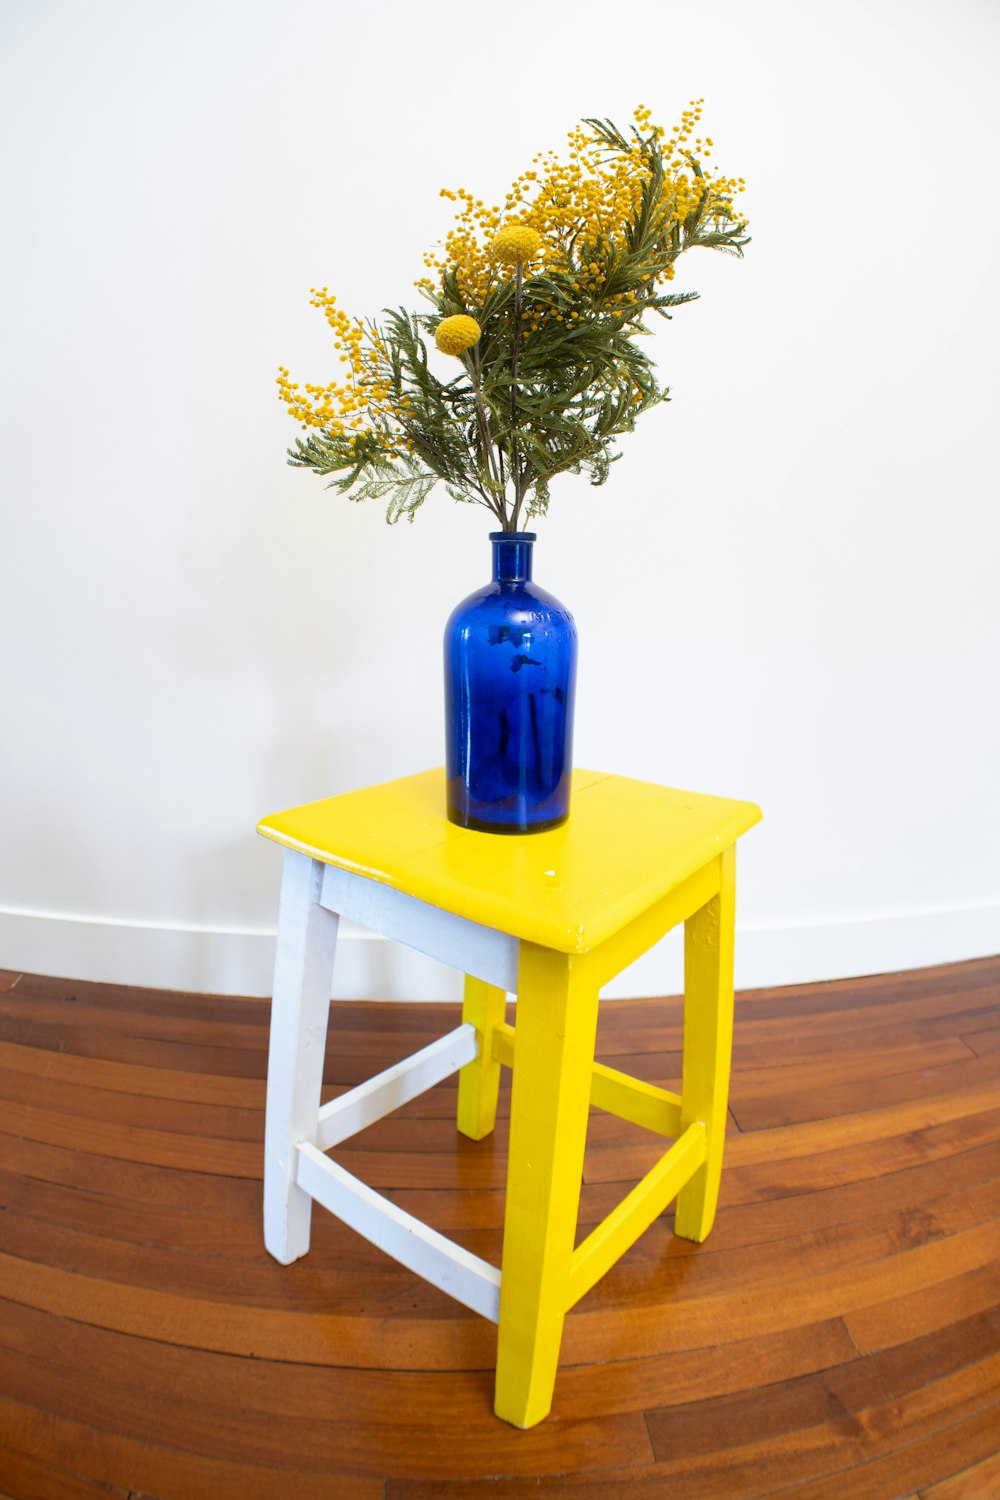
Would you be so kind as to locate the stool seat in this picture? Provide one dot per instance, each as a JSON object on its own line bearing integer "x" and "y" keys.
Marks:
{"x": 626, "y": 844}
{"x": 550, "y": 917}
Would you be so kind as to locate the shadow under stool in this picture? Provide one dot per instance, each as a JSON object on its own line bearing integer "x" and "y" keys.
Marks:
{"x": 550, "y": 917}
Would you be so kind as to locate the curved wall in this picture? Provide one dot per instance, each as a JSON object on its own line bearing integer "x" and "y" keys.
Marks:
{"x": 787, "y": 591}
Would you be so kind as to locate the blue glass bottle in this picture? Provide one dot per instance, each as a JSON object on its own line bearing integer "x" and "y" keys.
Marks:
{"x": 510, "y": 682}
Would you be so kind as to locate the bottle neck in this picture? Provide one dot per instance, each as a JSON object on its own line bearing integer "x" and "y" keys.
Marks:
{"x": 512, "y": 556}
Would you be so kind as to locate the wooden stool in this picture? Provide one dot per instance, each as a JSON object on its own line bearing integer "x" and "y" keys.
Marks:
{"x": 551, "y": 917}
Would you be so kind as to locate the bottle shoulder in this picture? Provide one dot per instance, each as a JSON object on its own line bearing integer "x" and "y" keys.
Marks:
{"x": 524, "y": 602}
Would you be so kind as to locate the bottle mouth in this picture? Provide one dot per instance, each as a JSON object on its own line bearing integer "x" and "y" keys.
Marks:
{"x": 512, "y": 556}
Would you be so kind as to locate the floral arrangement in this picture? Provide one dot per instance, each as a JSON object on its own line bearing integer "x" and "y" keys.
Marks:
{"x": 541, "y": 300}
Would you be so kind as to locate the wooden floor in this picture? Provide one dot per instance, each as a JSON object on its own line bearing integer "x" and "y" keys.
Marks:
{"x": 837, "y": 1337}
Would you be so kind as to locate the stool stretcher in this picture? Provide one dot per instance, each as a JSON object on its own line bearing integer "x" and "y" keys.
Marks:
{"x": 360, "y": 1107}
{"x": 642, "y": 1104}
{"x": 459, "y": 1273}
{"x": 634, "y": 1214}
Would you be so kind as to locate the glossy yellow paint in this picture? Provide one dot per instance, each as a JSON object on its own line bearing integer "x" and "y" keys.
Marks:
{"x": 708, "y": 1044}
{"x": 614, "y": 1235}
{"x": 640, "y": 1103}
{"x": 630, "y": 1099}
{"x": 585, "y": 900}
{"x": 627, "y": 845}
{"x": 553, "y": 1060}
{"x": 556, "y": 1079}
{"x": 479, "y": 1082}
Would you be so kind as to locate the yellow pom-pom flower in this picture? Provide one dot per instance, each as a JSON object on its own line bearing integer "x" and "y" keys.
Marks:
{"x": 456, "y": 334}
{"x": 515, "y": 243}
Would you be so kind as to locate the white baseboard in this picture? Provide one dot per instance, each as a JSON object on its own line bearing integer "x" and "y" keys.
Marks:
{"x": 238, "y": 961}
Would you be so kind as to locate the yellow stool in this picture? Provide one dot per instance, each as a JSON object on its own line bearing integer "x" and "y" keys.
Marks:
{"x": 551, "y": 917}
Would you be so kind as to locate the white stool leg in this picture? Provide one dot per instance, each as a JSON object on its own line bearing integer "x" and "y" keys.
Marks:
{"x": 300, "y": 1011}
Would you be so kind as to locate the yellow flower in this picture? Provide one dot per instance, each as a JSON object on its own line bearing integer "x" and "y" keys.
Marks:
{"x": 456, "y": 334}
{"x": 515, "y": 243}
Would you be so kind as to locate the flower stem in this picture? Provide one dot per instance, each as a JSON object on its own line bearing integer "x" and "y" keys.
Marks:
{"x": 515, "y": 355}
{"x": 499, "y": 508}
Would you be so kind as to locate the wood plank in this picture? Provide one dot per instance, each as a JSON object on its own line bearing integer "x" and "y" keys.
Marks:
{"x": 980, "y": 1481}
{"x": 646, "y": 1019}
{"x": 453, "y": 1341}
{"x": 25, "y": 1478}
{"x": 128, "y": 1248}
{"x": 749, "y": 1214}
{"x": 830, "y": 996}
{"x": 865, "y": 1065}
{"x": 711, "y": 1427}
{"x": 760, "y": 1047}
{"x": 7, "y": 1184}
{"x": 784, "y": 1162}
{"x": 898, "y": 1320}
{"x": 180, "y": 1087}
{"x": 773, "y": 1069}
{"x": 654, "y": 1272}
{"x": 910, "y": 1139}
{"x": 895, "y": 1472}
{"x": 903, "y": 1368}
{"x": 941, "y": 984}
{"x": 361, "y": 1022}
{"x": 983, "y": 1042}
{"x": 472, "y": 1165}
{"x": 734, "y": 1257}
{"x": 640, "y": 1042}
{"x": 258, "y": 1389}
{"x": 840, "y": 1099}
{"x": 174, "y": 1084}
{"x": 145, "y": 1468}
{"x": 87, "y": 1101}
{"x": 879, "y": 1123}
{"x": 746, "y": 1219}
{"x": 851, "y": 1030}
{"x": 754, "y": 1310}
{"x": 419, "y": 1132}
{"x": 871, "y": 1453}
{"x": 729, "y": 1365}
{"x": 360, "y": 1279}
{"x": 135, "y": 999}
{"x": 308, "y": 1336}
{"x": 177, "y": 1224}
{"x": 850, "y": 1024}
{"x": 226, "y": 1158}
{"x": 196, "y": 1023}
{"x": 8, "y": 979}
{"x": 217, "y": 1426}
{"x": 266, "y": 1389}
{"x": 759, "y": 1099}
{"x": 340, "y": 1068}
{"x": 83, "y": 1041}
{"x": 129, "y": 1181}
{"x": 839, "y": 1004}
{"x": 180, "y": 1228}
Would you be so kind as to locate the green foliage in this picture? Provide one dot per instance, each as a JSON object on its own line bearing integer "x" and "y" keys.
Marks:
{"x": 557, "y": 375}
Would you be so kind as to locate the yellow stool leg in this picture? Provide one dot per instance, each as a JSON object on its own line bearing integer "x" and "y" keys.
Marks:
{"x": 479, "y": 1082}
{"x": 708, "y": 1042}
{"x": 554, "y": 1040}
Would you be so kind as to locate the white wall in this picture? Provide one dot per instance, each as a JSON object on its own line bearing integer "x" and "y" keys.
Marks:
{"x": 786, "y": 592}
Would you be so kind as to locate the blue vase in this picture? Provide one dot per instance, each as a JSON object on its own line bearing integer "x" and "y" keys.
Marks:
{"x": 510, "y": 681}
